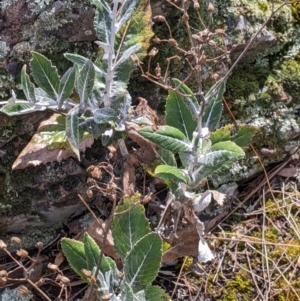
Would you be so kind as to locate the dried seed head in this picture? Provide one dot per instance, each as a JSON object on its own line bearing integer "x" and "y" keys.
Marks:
{"x": 212, "y": 43}
{"x": 52, "y": 267}
{"x": 89, "y": 193}
{"x": 210, "y": 7}
{"x": 16, "y": 240}
{"x": 156, "y": 40}
{"x": 2, "y": 245}
{"x": 121, "y": 275}
{"x": 202, "y": 58}
{"x": 215, "y": 76}
{"x": 62, "y": 279}
{"x": 134, "y": 58}
{"x": 23, "y": 290}
{"x": 185, "y": 17}
{"x": 22, "y": 253}
{"x": 220, "y": 31}
{"x": 39, "y": 245}
{"x": 40, "y": 282}
{"x": 3, "y": 277}
{"x": 158, "y": 71}
{"x": 196, "y": 5}
{"x": 86, "y": 272}
{"x": 159, "y": 18}
{"x": 153, "y": 52}
{"x": 173, "y": 42}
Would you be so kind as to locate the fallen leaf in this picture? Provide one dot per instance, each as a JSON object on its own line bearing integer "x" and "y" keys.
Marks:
{"x": 288, "y": 172}
{"x": 48, "y": 144}
{"x": 218, "y": 197}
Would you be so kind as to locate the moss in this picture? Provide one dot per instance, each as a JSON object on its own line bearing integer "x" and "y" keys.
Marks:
{"x": 290, "y": 74}
{"x": 238, "y": 288}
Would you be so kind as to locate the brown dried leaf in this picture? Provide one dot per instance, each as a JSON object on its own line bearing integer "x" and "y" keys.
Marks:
{"x": 288, "y": 172}
{"x": 96, "y": 232}
{"x": 39, "y": 151}
{"x": 218, "y": 197}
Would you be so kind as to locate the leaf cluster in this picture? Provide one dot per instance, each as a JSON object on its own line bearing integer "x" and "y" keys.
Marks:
{"x": 139, "y": 249}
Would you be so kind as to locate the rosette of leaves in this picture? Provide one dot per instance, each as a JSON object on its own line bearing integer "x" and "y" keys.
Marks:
{"x": 139, "y": 249}
{"x": 123, "y": 29}
{"x": 190, "y": 151}
{"x": 188, "y": 132}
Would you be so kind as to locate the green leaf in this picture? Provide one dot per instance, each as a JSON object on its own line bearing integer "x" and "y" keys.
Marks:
{"x": 66, "y": 86}
{"x": 244, "y": 136}
{"x": 72, "y": 130}
{"x": 213, "y": 110}
{"x": 103, "y": 20}
{"x": 222, "y": 152}
{"x": 191, "y": 109}
{"x": 104, "y": 115}
{"x": 127, "y": 10}
{"x": 45, "y": 75}
{"x": 171, "y": 173}
{"x": 80, "y": 60}
{"x": 167, "y": 157}
{"x": 167, "y": 137}
{"x": 27, "y": 86}
{"x": 222, "y": 134}
{"x": 127, "y": 293}
{"x": 178, "y": 115}
{"x": 129, "y": 227}
{"x": 91, "y": 250}
{"x": 74, "y": 251}
{"x": 141, "y": 265}
{"x": 85, "y": 81}
{"x": 20, "y": 109}
{"x": 221, "y": 156}
{"x": 155, "y": 293}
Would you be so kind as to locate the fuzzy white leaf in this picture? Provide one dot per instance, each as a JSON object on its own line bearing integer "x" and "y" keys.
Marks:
{"x": 131, "y": 50}
{"x": 204, "y": 252}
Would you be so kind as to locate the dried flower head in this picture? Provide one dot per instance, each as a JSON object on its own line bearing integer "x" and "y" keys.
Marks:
{"x": 173, "y": 42}
{"x": 2, "y": 245}
{"x": 39, "y": 245}
{"x": 153, "y": 52}
{"x": 16, "y": 240}
{"x": 22, "y": 253}
{"x": 3, "y": 277}
{"x": 62, "y": 279}
{"x": 210, "y": 7}
{"x": 23, "y": 290}
{"x": 52, "y": 267}
{"x": 185, "y": 17}
{"x": 156, "y": 40}
{"x": 89, "y": 193}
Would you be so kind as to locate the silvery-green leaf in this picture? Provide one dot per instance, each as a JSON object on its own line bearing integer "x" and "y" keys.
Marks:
{"x": 167, "y": 157}
{"x": 127, "y": 10}
{"x": 27, "y": 86}
{"x": 142, "y": 263}
{"x": 103, "y": 20}
{"x": 72, "y": 130}
{"x": 20, "y": 109}
{"x": 80, "y": 61}
{"x": 202, "y": 201}
{"x": 126, "y": 55}
{"x": 66, "y": 86}
{"x": 213, "y": 109}
{"x": 44, "y": 74}
{"x": 182, "y": 111}
{"x": 171, "y": 173}
{"x": 104, "y": 115}
{"x": 43, "y": 98}
{"x": 168, "y": 138}
{"x": 204, "y": 252}
{"x": 85, "y": 81}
